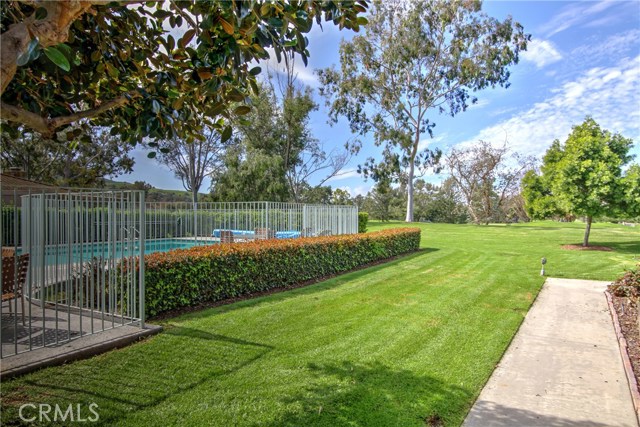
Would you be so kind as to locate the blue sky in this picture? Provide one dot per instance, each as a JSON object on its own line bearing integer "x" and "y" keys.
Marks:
{"x": 584, "y": 59}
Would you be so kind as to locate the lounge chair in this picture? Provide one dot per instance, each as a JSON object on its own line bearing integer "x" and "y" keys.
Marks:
{"x": 264, "y": 234}
{"x": 226, "y": 236}
{"x": 287, "y": 234}
{"x": 14, "y": 276}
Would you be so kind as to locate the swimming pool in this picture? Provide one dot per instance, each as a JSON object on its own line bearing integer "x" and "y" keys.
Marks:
{"x": 86, "y": 251}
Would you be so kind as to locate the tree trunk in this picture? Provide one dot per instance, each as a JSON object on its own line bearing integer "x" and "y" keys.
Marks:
{"x": 409, "y": 217}
{"x": 412, "y": 167}
{"x": 194, "y": 195}
{"x": 587, "y": 230}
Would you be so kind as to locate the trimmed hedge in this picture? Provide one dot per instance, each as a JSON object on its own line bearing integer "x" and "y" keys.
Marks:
{"x": 186, "y": 277}
{"x": 363, "y": 219}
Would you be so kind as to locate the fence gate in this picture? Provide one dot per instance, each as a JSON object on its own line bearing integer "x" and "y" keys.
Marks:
{"x": 70, "y": 265}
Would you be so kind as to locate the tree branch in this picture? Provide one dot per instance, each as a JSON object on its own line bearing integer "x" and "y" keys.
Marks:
{"x": 46, "y": 126}
{"x": 53, "y": 29}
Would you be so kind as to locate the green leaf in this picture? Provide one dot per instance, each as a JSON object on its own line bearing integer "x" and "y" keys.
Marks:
{"x": 177, "y": 104}
{"x": 226, "y": 26}
{"x": 57, "y": 58}
{"x": 25, "y": 57}
{"x": 112, "y": 71}
{"x": 242, "y": 110}
{"x": 152, "y": 155}
{"x": 254, "y": 87}
{"x": 235, "y": 95}
{"x": 64, "y": 48}
{"x": 155, "y": 106}
{"x": 255, "y": 71}
{"x": 226, "y": 134}
{"x": 184, "y": 41}
{"x": 215, "y": 110}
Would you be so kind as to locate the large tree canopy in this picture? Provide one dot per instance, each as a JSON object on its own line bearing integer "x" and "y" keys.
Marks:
{"x": 277, "y": 154}
{"x": 417, "y": 58}
{"x": 584, "y": 177}
{"x": 487, "y": 178}
{"x": 192, "y": 162}
{"x": 118, "y": 63}
{"x": 84, "y": 159}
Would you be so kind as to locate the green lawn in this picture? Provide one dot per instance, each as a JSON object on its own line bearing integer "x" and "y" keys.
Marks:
{"x": 391, "y": 345}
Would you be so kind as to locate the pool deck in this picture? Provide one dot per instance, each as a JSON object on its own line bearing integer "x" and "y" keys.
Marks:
{"x": 57, "y": 337}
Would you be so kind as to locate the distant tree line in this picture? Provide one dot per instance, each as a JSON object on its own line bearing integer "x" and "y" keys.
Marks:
{"x": 78, "y": 157}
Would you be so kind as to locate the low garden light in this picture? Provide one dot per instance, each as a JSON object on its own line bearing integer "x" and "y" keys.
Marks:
{"x": 543, "y": 261}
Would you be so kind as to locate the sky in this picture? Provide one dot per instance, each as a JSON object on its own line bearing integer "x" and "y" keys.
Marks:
{"x": 583, "y": 60}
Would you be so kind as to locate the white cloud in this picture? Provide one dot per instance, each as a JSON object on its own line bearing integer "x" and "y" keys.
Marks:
{"x": 614, "y": 46}
{"x": 541, "y": 53}
{"x": 303, "y": 74}
{"x": 425, "y": 142}
{"x": 483, "y": 102}
{"x": 501, "y": 111}
{"x": 345, "y": 174}
{"x": 576, "y": 14}
{"x": 610, "y": 95}
{"x": 360, "y": 189}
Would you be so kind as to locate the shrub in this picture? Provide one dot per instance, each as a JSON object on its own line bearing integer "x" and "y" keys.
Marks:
{"x": 628, "y": 285}
{"x": 363, "y": 219}
{"x": 187, "y": 277}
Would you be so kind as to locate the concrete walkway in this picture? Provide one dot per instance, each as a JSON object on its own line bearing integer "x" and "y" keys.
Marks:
{"x": 563, "y": 367}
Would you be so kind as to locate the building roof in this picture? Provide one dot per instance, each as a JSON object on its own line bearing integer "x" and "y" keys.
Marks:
{"x": 10, "y": 183}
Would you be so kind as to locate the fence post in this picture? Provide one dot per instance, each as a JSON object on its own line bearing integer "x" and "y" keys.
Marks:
{"x": 141, "y": 236}
{"x": 266, "y": 209}
{"x": 195, "y": 220}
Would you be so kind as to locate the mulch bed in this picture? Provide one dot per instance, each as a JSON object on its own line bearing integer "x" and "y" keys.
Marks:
{"x": 586, "y": 248}
{"x": 204, "y": 305}
{"x": 628, "y": 317}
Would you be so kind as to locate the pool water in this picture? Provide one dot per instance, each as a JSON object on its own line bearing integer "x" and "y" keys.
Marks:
{"x": 87, "y": 251}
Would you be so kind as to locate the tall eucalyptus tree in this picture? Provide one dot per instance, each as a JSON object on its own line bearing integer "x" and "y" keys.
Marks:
{"x": 414, "y": 59}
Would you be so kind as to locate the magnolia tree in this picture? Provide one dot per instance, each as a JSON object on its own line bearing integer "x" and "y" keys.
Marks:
{"x": 121, "y": 63}
{"x": 417, "y": 58}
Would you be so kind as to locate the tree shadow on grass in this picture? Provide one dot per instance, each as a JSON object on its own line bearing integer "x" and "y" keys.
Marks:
{"x": 489, "y": 413}
{"x": 198, "y": 333}
{"x": 122, "y": 382}
{"x": 630, "y": 247}
{"x": 310, "y": 289}
{"x": 373, "y": 394}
